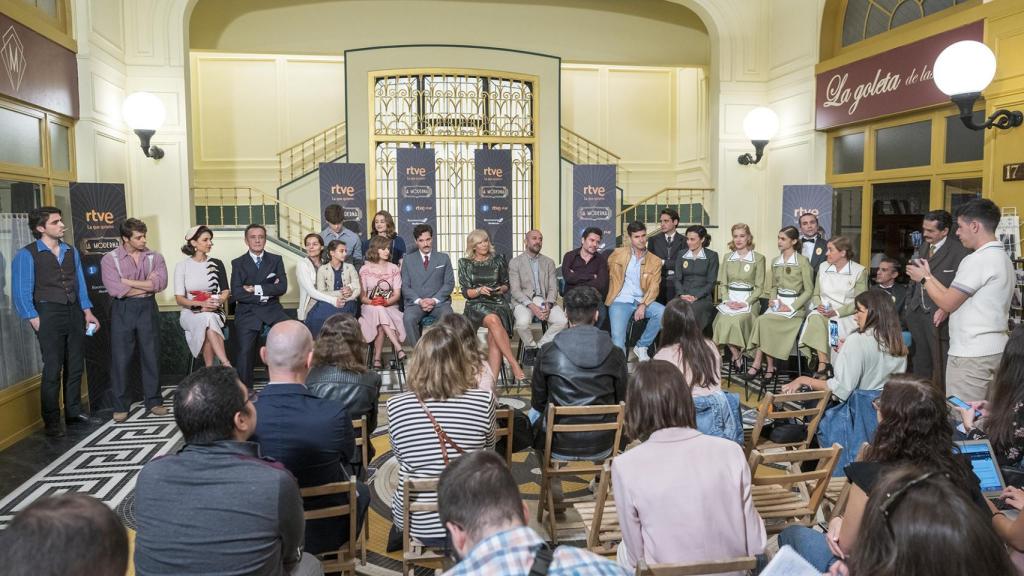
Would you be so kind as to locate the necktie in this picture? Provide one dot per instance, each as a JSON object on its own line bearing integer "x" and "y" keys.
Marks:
{"x": 259, "y": 262}
{"x": 426, "y": 261}
{"x": 931, "y": 250}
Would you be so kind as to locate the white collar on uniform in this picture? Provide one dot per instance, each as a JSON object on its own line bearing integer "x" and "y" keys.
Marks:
{"x": 698, "y": 256}
{"x": 735, "y": 257}
{"x": 846, "y": 270}
{"x": 939, "y": 244}
{"x": 781, "y": 261}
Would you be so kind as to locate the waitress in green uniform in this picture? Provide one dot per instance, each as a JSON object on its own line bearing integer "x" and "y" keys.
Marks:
{"x": 696, "y": 271}
{"x": 789, "y": 289}
{"x": 740, "y": 285}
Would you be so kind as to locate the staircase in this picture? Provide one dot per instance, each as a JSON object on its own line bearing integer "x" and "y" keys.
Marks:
{"x": 237, "y": 207}
{"x": 691, "y": 203}
{"x": 305, "y": 157}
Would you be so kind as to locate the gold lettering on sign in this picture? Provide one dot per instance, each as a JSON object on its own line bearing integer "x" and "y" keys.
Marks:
{"x": 838, "y": 94}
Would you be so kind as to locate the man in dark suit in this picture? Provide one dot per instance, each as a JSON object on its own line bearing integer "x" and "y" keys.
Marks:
{"x": 258, "y": 280}
{"x": 311, "y": 436}
{"x": 885, "y": 280}
{"x": 929, "y": 328}
{"x": 667, "y": 245}
{"x": 812, "y": 245}
{"x": 427, "y": 283}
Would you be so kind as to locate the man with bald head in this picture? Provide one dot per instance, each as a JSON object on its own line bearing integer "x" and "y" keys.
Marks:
{"x": 534, "y": 288}
{"x": 311, "y": 436}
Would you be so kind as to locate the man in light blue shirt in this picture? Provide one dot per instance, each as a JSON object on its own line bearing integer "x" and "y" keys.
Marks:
{"x": 634, "y": 282}
{"x": 335, "y": 217}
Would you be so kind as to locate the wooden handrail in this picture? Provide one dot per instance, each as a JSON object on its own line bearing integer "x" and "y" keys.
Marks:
{"x": 592, "y": 143}
{"x": 665, "y": 190}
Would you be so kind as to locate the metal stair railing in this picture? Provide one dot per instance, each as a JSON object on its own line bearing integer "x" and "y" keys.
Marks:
{"x": 579, "y": 150}
{"x": 306, "y": 156}
{"x": 239, "y": 206}
{"x": 691, "y": 203}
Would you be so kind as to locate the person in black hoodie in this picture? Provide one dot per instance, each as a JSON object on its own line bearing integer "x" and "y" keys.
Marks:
{"x": 580, "y": 367}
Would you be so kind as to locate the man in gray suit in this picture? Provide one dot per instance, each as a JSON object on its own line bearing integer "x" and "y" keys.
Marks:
{"x": 427, "y": 283}
{"x": 928, "y": 325}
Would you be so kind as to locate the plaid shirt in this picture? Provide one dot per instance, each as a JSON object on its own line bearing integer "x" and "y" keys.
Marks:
{"x": 512, "y": 552}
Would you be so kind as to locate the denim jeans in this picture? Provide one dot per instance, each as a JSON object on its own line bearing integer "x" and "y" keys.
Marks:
{"x": 619, "y": 314}
{"x": 810, "y": 544}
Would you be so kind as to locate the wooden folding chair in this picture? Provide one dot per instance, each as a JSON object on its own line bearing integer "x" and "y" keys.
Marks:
{"x": 783, "y": 406}
{"x": 507, "y": 431}
{"x": 746, "y": 563}
{"x": 600, "y": 518}
{"x": 838, "y": 491}
{"x": 414, "y": 552}
{"x": 554, "y": 470}
{"x": 362, "y": 434}
{"x": 342, "y": 560}
{"x": 791, "y": 497}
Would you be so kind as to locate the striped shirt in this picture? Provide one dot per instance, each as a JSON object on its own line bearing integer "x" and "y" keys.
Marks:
{"x": 469, "y": 421}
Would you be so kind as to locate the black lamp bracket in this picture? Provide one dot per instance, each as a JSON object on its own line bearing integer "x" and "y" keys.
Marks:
{"x": 747, "y": 159}
{"x": 154, "y": 152}
{"x": 1003, "y": 119}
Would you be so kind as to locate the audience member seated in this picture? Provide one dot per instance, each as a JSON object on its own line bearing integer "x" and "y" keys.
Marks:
{"x": 1011, "y": 530}
{"x": 442, "y": 417}
{"x": 67, "y": 535}
{"x": 696, "y": 273}
{"x": 919, "y": 522}
{"x": 427, "y": 283}
{"x": 338, "y": 279}
{"x": 201, "y": 289}
{"x": 305, "y": 271}
{"x": 665, "y": 486}
{"x": 485, "y": 379}
{"x": 913, "y": 429}
{"x": 480, "y": 506}
{"x": 1002, "y": 420}
{"x": 382, "y": 290}
{"x": 635, "y": 279}
{"x": 580, "y": 367}
{"x": 534, "y": 287}
{"x": 311, "y": 436}
{"x": 384, "y": 226}
{"x": 339, "y": 373}
{"x": 683, "y": 344}
{"x": 192, "y": 518}
{"x": 587, "y": 266}
{"x": 483, "y": 276}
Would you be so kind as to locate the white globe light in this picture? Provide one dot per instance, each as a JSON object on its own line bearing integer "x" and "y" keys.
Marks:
{"x": 760, "y": 124}
{"x": 964, "y": 67}
{"x": 143, "y": 111}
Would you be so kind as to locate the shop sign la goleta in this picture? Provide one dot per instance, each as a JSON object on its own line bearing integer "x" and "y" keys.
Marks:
{"x": 894, "y": 81}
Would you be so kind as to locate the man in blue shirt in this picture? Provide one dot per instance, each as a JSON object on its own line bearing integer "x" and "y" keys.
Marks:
{"x": 49, "y": 290}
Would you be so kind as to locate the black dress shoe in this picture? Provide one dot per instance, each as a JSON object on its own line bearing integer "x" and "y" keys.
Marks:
{"x": 81, "y": 419}
{"x": 55, "y": 431}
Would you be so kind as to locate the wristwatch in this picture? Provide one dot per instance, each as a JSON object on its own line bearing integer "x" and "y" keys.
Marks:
{"x": 925, "y": 279}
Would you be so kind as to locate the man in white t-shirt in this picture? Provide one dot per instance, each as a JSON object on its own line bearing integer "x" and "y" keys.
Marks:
{"x": 978, "y": 301}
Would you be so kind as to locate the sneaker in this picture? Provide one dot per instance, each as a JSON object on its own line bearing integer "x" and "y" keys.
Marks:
{"x": 641, "y": 354}
{"x": 120, "y": 417}
{"x": 158, "y": 410}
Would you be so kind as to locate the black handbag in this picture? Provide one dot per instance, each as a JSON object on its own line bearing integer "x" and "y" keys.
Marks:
{"x": 522, "y": 433}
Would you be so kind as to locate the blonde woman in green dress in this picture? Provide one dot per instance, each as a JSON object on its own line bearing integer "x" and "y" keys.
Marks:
{"x": 840, "y": 280}
{"x": 789, "y": 288}
{"x": 483, "y": 277}
{"x": 740, "y": 284}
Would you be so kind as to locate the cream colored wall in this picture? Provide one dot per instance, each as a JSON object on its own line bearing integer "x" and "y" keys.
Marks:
{"x": 653, "y": 118}
{"x": 248, "y": 107}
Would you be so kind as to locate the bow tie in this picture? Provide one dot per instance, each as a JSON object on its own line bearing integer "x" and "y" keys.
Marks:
{"x": 811, "y": 240}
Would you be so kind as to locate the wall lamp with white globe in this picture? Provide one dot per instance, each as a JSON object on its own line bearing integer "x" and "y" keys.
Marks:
{"x": 962, "y": 71}
{"x": 760, "y": 125}
{"x": 144, "y": 113}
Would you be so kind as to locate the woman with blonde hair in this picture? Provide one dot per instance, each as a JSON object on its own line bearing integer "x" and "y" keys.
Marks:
{"x": 483, "y": 276}
{"x": 441, "y": 417}
{"x": 383, "y": 225}
{"x": 740, "y": 286}
{"x": 474, "y": 353}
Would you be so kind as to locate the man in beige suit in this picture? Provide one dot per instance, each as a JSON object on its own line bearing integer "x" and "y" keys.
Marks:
{"x": 534, "y": 289}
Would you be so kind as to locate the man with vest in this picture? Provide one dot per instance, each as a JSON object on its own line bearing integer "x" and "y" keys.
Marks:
{"x": 133, "y": 275}
{"x": 49, "y": 291}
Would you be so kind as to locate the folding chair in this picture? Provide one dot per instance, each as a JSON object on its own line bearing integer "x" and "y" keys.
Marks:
{"x": 745, "y": 563}
{"x": 600, "y": 518}
{"x": 362, "y": 434}
{"x": 783, "y": 406}
{"x": 507, "y": 431}
{"x": 554, "y": 470}
{"x": 415, "y": 552}
{"x": 791, "y": 497}
{"x": 838, "y": 491}
{"x": 343, "y": 559}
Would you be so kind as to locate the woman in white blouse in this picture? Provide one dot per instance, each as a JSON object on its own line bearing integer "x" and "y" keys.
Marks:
{"x": 305, "y": 271}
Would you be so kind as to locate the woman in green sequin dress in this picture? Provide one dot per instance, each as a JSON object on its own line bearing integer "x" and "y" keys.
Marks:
{"x": 789, "y": 289}
{"x": 483, "y": 277}
{"x": 740, "y": 285}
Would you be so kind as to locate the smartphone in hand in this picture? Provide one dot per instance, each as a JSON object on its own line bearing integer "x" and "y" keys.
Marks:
{"x": 956, "y": 401}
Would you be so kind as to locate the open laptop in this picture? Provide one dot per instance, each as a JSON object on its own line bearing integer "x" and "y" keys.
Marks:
{"x": 984, "y": 465}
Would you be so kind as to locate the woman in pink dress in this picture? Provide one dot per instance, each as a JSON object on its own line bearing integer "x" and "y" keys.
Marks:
{"x": 382, "y": 289}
